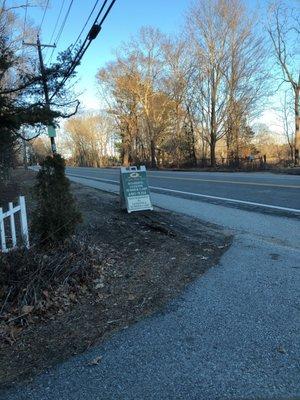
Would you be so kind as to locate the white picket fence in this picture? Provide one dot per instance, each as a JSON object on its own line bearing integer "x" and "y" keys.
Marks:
{"x": 21, "y": 207}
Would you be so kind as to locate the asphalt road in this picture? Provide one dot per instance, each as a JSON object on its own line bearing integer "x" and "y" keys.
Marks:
{"x": 233, "y": 334}
{"x": 271, "y": 191}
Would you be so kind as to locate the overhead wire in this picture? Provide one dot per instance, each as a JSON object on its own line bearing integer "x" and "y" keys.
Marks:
{"x": 82, "y": 50}
{"x": 61, "y": 28}
{"x": 25, "y": 18}
{"x": 85, "y": 45}
{"x": 84, "y": 26}
{"x": 54, "y": 30}
{"x": 57, "y": 20}
{"x": 44, "y": 14}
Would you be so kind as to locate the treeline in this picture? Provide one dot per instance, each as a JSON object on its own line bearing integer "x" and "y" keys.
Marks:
{"x": 173, "y": 99}
{"x": 189, "y": 100}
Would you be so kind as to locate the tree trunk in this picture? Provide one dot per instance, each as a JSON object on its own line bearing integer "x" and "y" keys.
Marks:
{"x": 153, "y": 154}
{"x": 213, "y": 154}
{"x": 213, "y": 135}
{"x": 297, "y": 125}
{"x": 125, "y": 157}
{"x": 192, "y": 144}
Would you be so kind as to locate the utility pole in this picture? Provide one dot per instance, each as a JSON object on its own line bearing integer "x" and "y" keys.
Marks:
{"x": 24, "y": 154}
{"x": 44, "y": 79}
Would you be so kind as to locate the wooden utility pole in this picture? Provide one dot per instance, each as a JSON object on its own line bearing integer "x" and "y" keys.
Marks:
{"x": 44, "y": 79}
{"x": 297, "y": 121}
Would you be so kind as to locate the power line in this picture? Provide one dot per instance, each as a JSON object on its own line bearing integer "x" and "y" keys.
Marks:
{"x": 57, "y": 20}
{"x": 54, "y": 30}
{"x": 62, "y": 27}
{"x": 25, "y": 19}
{"x": 46, "y": 8}
{"x": 89, "y": 17}
{"x": 106, "y": 14}
{"x": 82, "y": 50}
{"x": 64, "y": 22}
{"x": 95, "y": 29}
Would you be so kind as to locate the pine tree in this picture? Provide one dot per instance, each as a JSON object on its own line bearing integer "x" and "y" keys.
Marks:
{"x": 56, "y": 214}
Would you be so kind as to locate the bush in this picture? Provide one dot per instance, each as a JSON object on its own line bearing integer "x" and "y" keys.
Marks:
{"x": 37, "y": 283}
{"x": 56, "y": 214}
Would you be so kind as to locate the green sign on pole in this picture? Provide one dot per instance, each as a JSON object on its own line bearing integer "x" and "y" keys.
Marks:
{"x": 134, "y": 189}
{"x": 51, "y": 131}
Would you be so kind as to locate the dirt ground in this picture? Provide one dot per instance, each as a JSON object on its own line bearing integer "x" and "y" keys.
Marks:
{"x": 148, "y": 258}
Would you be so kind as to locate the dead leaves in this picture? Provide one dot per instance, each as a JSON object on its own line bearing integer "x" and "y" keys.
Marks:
{"x": 9, "y": 333}
{"x": 40, "y": 286}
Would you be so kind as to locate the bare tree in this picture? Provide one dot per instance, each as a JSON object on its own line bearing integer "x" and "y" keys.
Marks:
{"x": 209, "y": 30}
{"x": 230, "y": 74}
{"x": 120, "y": 83}
{"x": 283, "y": 28}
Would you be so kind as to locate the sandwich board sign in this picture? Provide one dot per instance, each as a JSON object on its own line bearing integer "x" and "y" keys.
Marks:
{"x": 134, "y": 189}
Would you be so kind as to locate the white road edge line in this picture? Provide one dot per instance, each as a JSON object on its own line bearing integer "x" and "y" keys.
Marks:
{"x": 201, "y": 195}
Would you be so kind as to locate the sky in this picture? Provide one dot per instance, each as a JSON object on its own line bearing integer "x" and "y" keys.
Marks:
{"x": 123, "y": 22}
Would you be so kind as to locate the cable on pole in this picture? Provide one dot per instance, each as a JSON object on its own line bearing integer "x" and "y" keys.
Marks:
{"x": 25, "y": 19}
{"x": 57, "y": 20}
{"x": 61, "y": 27}
{"x": 46, "y": 8}
{"x": 95, "y": 29}
{"x": 89, "y": 17}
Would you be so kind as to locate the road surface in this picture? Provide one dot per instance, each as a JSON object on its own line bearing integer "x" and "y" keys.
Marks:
{"x": 266, "y": 190}
{"x": 234, "y": 333}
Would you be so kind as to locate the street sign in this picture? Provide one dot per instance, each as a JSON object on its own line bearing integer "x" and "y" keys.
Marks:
{"x": 51, "y": 131}
{"x": 134, "y": 189}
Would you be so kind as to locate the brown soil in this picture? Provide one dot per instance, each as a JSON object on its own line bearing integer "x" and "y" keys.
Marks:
{"x": 149, "y": 258}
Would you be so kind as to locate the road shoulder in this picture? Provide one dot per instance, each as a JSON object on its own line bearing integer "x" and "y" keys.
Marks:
{"x": 146, "y": 259}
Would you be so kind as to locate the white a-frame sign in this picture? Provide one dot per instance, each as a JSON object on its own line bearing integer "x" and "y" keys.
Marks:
{"x": 134, "y": 189}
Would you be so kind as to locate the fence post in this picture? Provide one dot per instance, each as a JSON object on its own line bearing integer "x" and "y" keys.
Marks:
{"x": 2, "y": 231}
{"x": 12, "y": 224}
{"x": 24, "y": 226}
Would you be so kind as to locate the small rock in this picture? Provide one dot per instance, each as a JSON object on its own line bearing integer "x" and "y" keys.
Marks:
{"x": 281, "y": 350}
{"x": 95, "y": 361}
{"x": 99, "y": 286}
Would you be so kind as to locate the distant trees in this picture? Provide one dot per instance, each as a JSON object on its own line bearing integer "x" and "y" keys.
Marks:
{"x": 90, "y": 140}
{"x": 173, "y": 99}
{"x": 38, "y": 149}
